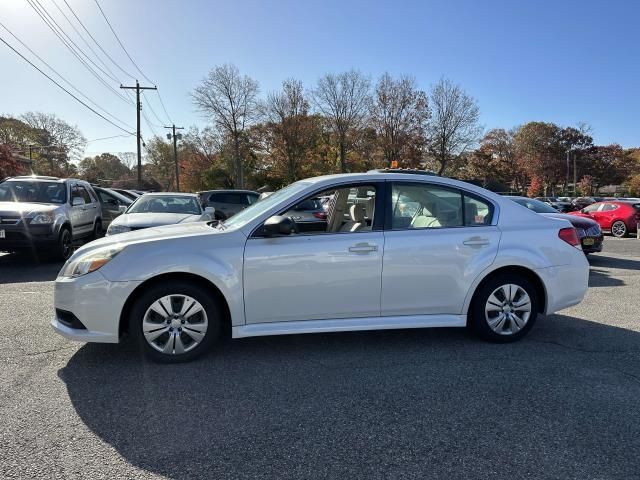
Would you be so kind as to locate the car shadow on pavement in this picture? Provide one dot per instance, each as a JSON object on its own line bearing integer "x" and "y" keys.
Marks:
{"x": 26, "y": 267}
{"x": 427, "y": 403}
{"x": 613, "y": 262}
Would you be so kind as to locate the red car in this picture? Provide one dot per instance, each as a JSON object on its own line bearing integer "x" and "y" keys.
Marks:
{"x": 619, "y": 217}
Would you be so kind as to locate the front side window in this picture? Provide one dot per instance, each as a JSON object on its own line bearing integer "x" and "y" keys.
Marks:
{"x": 336, "y": 210}
{"x": 415, "y": 206}
{"x": 592, "y": 208}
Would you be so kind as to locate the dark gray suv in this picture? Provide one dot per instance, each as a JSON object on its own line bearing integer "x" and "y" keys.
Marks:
{"x": 228, "y": 202}
{"x": 45, "y": 214}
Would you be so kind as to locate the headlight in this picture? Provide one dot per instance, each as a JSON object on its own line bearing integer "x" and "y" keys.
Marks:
{"x": 114, "y": 229}
{"x": 90, "y": 262}
{"x": 43, "y": 218}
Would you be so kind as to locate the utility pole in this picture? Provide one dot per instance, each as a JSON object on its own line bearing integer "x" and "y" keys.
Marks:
{"x": 575, "y": 179}
{"x": 175, "y": 151}
{"x": 567, "y": 179}
{"x": 137, "y": 88}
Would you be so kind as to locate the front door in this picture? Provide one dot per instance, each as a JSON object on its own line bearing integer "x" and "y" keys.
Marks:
{"x": 437, "y": 242}
{"x": 315, "y": 275}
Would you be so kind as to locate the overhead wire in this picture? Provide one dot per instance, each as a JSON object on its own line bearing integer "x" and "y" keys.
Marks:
{"x": 71, "y": 85}
{"x": 70, "y": 48}
{"x": 62, "y": 88}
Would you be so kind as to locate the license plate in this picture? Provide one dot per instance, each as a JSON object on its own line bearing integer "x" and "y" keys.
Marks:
{"x": 588, "y": 241}
{"x": 2, "y": 234}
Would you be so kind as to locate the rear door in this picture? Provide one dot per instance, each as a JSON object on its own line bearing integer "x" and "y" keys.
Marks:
{"x": 607, "y": 214}
{"x": 82, "y": 215}
{"x": 437, "y": 241}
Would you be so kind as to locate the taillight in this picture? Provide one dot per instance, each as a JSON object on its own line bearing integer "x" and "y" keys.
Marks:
{"x": 570, "y": 236}
{"x": 320, "y": 215}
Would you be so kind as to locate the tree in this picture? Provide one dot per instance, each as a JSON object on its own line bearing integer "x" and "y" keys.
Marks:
{"x": 9, "y": 166}
{"x": 541, "y": 153}
{"x": 289, "y": 134}
{"x": 501, "y": 163}
{"x": 59, "y": 142}
{"x": 585, "y": 186}
{"x": 343, "y": 99}
{"x": 535, "y": 187}
{"x": 454, "y": 123}
{"x": 633, "y": 184}
{"x": 607, "y": 165}
{"x": 160, "y": 164}
{"x": 103, "y": 167}
{"x": 204, "y": 166}
{"x": 230, "y": 100}
{"x": 399, "y": 115}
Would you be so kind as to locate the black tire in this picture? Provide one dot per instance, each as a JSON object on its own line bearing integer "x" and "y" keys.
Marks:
{"x": 64, "y": 248}
{"x": 175, "y": 289}
{"x": 619, "y": 229}
{"x": 478, "y": 321}
{"x": 97, "y": 230}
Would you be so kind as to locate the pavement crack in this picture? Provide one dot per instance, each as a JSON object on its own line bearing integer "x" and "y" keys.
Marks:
{"x": 581, "y": 349}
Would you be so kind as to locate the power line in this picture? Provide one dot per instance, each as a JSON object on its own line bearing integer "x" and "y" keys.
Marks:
{"x": 61, "y": 87}
{"x": 121, "y": 44}
{"x": 63, "y": 78}
{"x": 153, "y": 111}
{"x": 163, "y": 107}
{"x": 96, "y": 42}
{"x": 70, "y": 48}
{"x": 113, "y": 76}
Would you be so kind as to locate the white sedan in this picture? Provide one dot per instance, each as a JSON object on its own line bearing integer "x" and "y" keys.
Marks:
{"x": 398, "y": 250}
{"x": 159, "y": 209}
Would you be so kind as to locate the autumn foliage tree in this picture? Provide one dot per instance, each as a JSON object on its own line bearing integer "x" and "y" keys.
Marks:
{"x": 9, "y": 166}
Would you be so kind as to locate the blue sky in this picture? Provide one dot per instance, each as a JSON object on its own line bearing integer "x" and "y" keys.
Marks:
{"x": 559, "y": 61}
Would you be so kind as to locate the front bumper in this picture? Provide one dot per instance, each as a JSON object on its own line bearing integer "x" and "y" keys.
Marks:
{"x": 21, "y": 236}
{"x": 96, "y": 302}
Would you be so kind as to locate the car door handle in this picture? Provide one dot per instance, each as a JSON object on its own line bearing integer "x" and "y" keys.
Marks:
{"x": 476, "y": 241}
{"x": 363, "y": 248}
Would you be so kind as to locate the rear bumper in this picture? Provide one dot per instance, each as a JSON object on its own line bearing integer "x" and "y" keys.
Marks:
{"x": 565, "y": 285}
{"x": 96, "y": 302}
{"x": 594, "y": 247}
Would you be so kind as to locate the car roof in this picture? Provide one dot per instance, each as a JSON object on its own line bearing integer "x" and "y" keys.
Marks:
{"x": 38, "y": 178}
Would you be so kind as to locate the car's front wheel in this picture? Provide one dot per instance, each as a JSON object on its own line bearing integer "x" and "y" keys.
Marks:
{"x": 504, "y": 309}
{"x": 64, "y": 248}
{"x": 175, "y": 322}
{"x": 619, "y": 229}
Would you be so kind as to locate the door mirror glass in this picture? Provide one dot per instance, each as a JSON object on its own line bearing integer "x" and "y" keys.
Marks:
{"x": 279, "y": 225}
{"x": 210, "y": 211}
{"x": 77, "y": 201}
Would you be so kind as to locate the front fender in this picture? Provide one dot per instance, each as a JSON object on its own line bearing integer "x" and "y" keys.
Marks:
{"x": 218, "y": 262}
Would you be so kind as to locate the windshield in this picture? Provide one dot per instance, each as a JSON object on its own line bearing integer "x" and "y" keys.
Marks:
{"x": 261, "y": 206}
{"x": 166, "y": 204}
{"x": 33, "y": 192}
{"x": 535, "y": 205}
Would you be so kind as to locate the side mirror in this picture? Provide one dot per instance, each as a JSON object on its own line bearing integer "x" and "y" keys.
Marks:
{"x": 210, "y": 211}
{"x": 77, "y": 201}
{"x": 122, "y": 208}
{"x": 279, "y": 225}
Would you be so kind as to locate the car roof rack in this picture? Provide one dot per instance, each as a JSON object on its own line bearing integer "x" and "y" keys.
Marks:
{"x": 414, "y": 171}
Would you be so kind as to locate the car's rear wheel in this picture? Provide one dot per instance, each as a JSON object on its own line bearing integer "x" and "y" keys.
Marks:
{"x": 619, "y": 229}
{"x": 175, "y": 322}
{"x": 504, "y": 308}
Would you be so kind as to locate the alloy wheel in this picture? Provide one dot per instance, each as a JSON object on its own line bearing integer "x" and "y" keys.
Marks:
{"x": 508, "y": 309}
{"x": 619, "y": 229}
{"x": 175, "y": 324}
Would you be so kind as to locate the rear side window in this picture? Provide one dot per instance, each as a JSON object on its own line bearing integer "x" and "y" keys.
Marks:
{"x": 607, "y": 207}
{"x": 432, "y": 206}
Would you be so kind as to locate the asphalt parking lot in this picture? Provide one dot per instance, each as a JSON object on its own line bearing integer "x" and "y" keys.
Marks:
{"x": 562, "y": 403}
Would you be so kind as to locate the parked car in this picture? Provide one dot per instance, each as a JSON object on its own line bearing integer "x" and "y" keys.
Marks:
{"x": 228, "y": 202}
{"x": 560, "y": 205}
{"x": 581, "y": 202}
{"x": 309, "y": 215}
{"x": 157, "y": 209}
{"x": 465, "y": 257}
{"x": 46, "y": 214}
{"x": 589, "y": 232}
{"x": 620, "y": 217}
{"x": 127, "y": 193}
{"x": 113, "y": 204}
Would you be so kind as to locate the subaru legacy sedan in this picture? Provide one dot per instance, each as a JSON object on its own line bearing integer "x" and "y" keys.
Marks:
{"x": 398, "y": 250}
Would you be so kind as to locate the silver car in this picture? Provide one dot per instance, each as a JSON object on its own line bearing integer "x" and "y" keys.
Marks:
{"x": 46, "y": 214}
{"x": 157, "y": 209}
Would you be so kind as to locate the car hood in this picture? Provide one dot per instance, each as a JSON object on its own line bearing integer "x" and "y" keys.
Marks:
{"x": 145, "y": 220}
{"x": 151, "y": 234}
{"x": 22, "y": 208}
{"x": 576, "y": 221}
